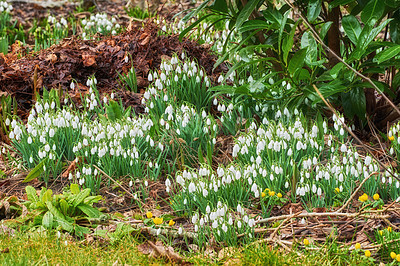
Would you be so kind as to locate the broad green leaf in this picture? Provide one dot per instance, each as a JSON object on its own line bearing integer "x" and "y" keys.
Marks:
{"x": 255, "y": 24}
{"x": 297, "y": 61}
{"x": 92, "y": 199}
{"x": 314, "y": 8}
{"x": 64, "y": 206}
{"x": 47, "y": 220}
{"x": 37, "y": 171}
{"x": 81, "y": 196}
{"x": 373, "y": 10}
{"x": 67, "y": 226}
{"x": 80, "y": 230}
{"x": 245, "y": 13}
{"x": 324, "y": 29}
{"x": 55, "y": 211}
{"x": 31, "y": 194}
{"x": 75, "y": 189}
{"x": 220, "y": 5}
{"x": 113, "y": 111}
{"x": 395, "y": 28}
{"x": 388, "y": 54}
{"x": 47, "y": 196}
{"x": 308, "y": 42}
{"x": 336, "y": 69}
{"x": 89, "y": 211}
{"x": 354, "y": 103}
{"x": 352, "y": 28}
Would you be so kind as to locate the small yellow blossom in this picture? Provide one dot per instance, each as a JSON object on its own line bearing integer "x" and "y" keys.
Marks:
{"x": 393, "y": 255}
{"x": 171, "y": 222}
{"x": 357, "y": 246}
{"x": 376, "y": 196}
{"x": 398, "y": 257}
{"x": 263, "y": 194}
{"x": 157, "y": 220}
{"x": 337, "y": 190}
{"x": 389, "y": 229}
{"x": 306, "y": 242}
{"x": 380, "y": 232}
{"x": 367, "y": 253}
{"x": 363, "y": 198}
{"x": 391, "y": 138}
{"x": 271, "y": 193}
{"x": 279, "y": 195}
{"x": 267, "y": 189}
{"x": 149, "y": 215}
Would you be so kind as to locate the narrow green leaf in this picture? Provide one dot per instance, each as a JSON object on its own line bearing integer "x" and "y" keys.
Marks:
{"x": 245, "y": 13}
{"x": 90, "y": 211}
{"x": 81, "y": 196}
{"x": 253, "y": 25}
{"x": 197, "y": 22}
{"x": 297, "y": 61}
{"x": 35, "y": 172}
{"x": 388, "y": 54}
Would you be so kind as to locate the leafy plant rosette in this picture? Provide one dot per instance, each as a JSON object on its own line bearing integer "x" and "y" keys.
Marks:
{"x": 71, "y": 211}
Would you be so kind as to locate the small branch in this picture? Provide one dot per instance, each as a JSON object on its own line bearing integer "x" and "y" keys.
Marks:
{"x": 355, "y": 192}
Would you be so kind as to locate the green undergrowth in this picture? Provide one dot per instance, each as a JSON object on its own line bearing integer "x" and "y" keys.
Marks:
{"x": 46, "y": 248}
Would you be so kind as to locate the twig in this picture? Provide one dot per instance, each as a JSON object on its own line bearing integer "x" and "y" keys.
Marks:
{"x": 353, "y": 135}
{"x": 324, "y": 214}
{"x": 124, "y": 189}
{"x": 355, "y": 192}
{"x": 282, "y": 223}
{"x": 318, "y": 39}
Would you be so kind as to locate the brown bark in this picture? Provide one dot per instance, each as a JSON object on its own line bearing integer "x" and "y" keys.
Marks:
{"x": 334, "y": 36}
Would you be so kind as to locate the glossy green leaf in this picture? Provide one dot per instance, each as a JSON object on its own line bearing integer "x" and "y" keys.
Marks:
{"x": 253, "y": 25}
{"x": 245, "y": 13}
{"x": 74, "y": 189}
{"x": 81, "y": 196}
{"x": 297, "y": 61}
{"x": 314, "y": 8}
{"x": 387, "y": 54}
{"x": 352, "y": 28}
{"x": 354, "y": 103}
{"x": 373, "y": 10}
{"x": 89, "y": 211}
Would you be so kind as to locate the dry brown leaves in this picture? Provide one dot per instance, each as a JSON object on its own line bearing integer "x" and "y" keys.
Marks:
{"x": 158, "y": 250}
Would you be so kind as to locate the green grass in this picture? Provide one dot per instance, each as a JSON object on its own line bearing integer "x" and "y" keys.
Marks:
{"x": 45, "y": 248}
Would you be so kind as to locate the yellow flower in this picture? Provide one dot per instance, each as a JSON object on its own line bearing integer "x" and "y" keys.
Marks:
{"x": 363, "y": 198}
{"x": 149, "y": 215}
{"x": 391, "y": 138}
{"x": 171, "y": 222}
{"x": 157, "y": 220}
{"x": 271, "y": 193}
{"x": 376, "y": 196}
{"x": 279, "y": 195}
{"x": 337, "y": 190}
{"x": 393, "y": 255}
{"x": 389, "y": 229}
{"x": 306, "y": 242}
{"x": 357, "y": 246}
{"x": 380, "y": 232}
{"x": 267, "y": 189}
{"x": 398, "y": 257}
{"x": 263, "y": 194}
{"x": 367, "y": 253}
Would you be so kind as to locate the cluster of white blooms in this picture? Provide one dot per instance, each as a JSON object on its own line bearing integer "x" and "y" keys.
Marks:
{"x": 62, "y": 23}
{"x": 174, "y": 81}
{"x": 5, "y": 7}
{"x": 223, "y": 224}
{"x": 99, "y": 23}
{"x": 324, "y": 163}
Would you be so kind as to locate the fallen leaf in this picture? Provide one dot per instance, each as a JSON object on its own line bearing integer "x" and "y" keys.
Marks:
{"x": 88, "y": 59}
